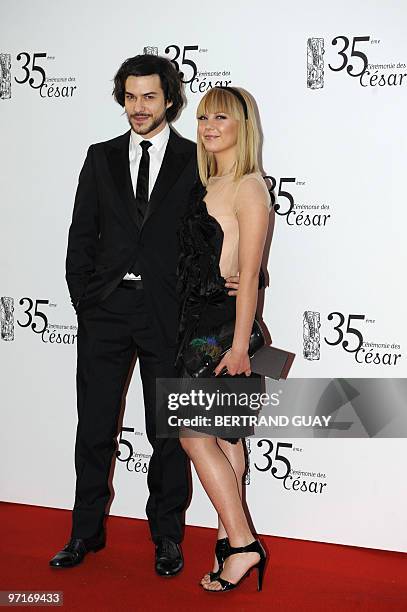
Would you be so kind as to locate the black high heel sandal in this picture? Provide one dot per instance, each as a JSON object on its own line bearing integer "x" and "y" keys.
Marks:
{"x": 221, "y": 552}
{"x": 253, "y": 547}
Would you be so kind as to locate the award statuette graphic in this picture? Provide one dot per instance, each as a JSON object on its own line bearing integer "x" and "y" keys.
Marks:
{"x": 311, "y": 336}
{"x": 150, "y": 50}
{"x": 315, "y": 63}
{"x": 7, "y": 318}
{"x": 249, "y": 450}
{"x": 5, "y": 76}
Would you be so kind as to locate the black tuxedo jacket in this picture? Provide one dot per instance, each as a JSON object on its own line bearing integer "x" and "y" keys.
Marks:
{"x": 105, "y": 239}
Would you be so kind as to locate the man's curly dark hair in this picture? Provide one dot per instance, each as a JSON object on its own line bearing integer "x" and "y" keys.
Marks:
{"x": 144, "y": 65}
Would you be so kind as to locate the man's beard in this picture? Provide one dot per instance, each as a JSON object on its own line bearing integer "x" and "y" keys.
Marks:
{"x": 146, "y": 129}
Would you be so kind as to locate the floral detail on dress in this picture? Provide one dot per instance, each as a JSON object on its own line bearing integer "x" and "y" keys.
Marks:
{"x": 207, "y": 345}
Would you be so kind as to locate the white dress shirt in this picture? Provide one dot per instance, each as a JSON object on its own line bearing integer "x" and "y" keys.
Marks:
{"x": 156, "y": 152}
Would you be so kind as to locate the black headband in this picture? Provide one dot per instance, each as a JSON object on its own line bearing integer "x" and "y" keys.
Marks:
{"x": 238, "y": 95}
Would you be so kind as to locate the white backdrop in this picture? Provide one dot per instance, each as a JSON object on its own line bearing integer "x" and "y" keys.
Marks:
{"x": 340, "y": 138}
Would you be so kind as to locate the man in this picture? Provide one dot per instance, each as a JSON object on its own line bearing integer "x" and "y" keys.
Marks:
{"x": 121, "y": 273}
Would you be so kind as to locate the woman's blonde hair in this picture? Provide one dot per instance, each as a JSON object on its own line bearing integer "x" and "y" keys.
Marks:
{"x": 218, "y": 100}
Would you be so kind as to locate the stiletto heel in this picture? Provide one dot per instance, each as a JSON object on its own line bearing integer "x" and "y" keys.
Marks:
{"x": 221, "y": 552}
{"x": 260, "y": 565}
{"x": 260, "y": 572}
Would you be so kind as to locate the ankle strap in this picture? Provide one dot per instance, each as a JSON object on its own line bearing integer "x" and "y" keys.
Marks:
{"x": 253, "y": 547}
{"x": 222, "y": 541}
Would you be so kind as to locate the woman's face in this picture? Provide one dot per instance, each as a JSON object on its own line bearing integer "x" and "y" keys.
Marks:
{"x": 217, "y": 131}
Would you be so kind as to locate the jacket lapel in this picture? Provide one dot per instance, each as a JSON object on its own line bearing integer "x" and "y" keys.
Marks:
{"x": 118, "y": 160}
{"x": 174, "y": 162}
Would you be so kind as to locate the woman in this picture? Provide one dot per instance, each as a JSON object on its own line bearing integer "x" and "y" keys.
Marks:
{"x": 223, "y": 235}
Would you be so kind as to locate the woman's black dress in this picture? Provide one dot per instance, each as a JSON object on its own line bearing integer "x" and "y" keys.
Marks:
{"x": 205, "y": 303}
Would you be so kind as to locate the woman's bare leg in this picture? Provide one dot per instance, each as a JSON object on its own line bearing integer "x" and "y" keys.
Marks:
{"x": 236, "y": 457}
{"x": 219, "y": 481}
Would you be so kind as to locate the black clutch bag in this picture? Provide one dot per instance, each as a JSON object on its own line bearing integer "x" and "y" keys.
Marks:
{"x": 204, "y": 353}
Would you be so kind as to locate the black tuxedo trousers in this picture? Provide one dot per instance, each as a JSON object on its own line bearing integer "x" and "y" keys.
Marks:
{"x": 109, "y": 336}
{"x": 117, "y": 323}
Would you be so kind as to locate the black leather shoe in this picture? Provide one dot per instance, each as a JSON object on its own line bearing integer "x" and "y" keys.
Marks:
{"x": 168, "y": 558}
{"x": 76, "y": 550}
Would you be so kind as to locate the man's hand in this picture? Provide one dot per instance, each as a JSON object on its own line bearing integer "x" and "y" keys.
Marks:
{"x": 232, "y": 282}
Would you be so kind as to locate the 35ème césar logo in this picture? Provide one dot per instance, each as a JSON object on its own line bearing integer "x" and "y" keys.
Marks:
{"x": 134, "y": 461}
{"x": 30, "y": 314}
{"x": 352, "y": 58}
{"x": 32, "y": 69}
{"x": 189, "y": 61}
{"x": 347, "y": 332}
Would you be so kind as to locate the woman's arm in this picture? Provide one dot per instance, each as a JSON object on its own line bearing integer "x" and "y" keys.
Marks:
{"x": 253, "y": 214}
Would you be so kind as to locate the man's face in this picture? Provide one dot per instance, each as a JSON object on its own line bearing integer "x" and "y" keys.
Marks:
{"x": 145, "y": 105}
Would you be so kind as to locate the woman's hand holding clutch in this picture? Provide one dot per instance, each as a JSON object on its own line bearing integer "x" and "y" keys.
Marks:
{"x": 235, "y": 362}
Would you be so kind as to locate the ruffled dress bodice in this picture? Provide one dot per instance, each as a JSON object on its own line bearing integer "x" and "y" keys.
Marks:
{"x": 200, "y": 284}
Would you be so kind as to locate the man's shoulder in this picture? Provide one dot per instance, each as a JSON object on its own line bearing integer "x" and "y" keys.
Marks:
{"x": 181, "y": 143}
{"x": 117, "y": 142}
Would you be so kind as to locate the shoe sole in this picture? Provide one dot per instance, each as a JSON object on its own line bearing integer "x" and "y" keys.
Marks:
{"x": 169, "y": 575}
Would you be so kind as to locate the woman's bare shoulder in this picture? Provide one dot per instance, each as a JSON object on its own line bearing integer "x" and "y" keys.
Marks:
{"x": 251, "y": 191}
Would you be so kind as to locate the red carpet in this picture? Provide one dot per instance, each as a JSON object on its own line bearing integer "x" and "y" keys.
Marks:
{"x": 300, "y": 576}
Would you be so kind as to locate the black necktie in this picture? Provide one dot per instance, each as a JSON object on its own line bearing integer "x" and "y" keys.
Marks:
{"x": 143, "y": 181}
